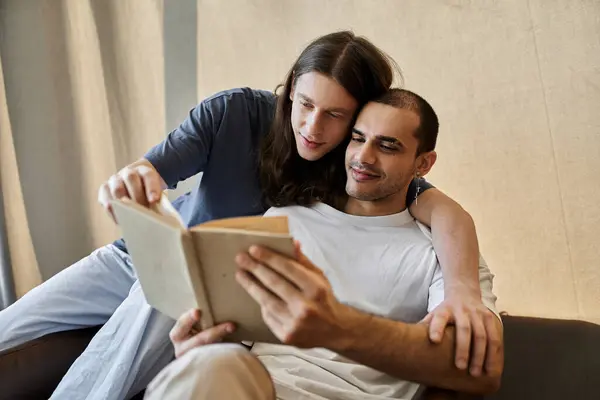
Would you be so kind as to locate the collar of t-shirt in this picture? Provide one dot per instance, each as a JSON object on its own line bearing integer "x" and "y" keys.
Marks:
{"x": 391, "y": 220}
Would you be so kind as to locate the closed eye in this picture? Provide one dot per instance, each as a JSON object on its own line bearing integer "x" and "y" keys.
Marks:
{"x": 388, "y": 148}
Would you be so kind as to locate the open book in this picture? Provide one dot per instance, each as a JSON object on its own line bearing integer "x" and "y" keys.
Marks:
{"x": 180, "y": 268}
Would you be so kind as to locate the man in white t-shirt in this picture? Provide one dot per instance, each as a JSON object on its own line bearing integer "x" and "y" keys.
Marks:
{"x": 351, "y": 327}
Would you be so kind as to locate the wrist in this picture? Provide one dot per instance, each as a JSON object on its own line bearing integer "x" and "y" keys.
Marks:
{"x": 352, "y": 326}
{"x": 461, "y": 289}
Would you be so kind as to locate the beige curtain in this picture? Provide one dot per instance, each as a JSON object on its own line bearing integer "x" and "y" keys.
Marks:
{"x": 19, "y": 238}
{"x": 82, "y": 96}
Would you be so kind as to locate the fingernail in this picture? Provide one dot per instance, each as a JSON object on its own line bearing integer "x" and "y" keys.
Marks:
{"x": 229, "y": 328}
{"x": 436, "y": 336}
{"x": 461, "y": 364}
{"x": 254, "y": 251}
{"x": 475, "y": 371}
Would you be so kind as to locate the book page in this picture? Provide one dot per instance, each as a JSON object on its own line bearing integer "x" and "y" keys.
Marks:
{"x": 217, "y": 249}
{"x": 164, "y": 259}
{"x": 165, "y": 208}
{"x": 277, "y": 224}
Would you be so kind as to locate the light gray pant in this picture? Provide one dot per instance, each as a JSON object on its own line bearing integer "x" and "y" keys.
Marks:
{"x": 129, "y": 350}
{"x": 213, "y": 372}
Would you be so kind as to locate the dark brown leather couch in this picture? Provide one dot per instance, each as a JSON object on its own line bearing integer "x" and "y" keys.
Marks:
{"x": 545, "y": 359}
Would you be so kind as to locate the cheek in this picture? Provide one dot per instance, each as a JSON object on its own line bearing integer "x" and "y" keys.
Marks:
{"x": 352, "y": 150}
{"x": 296, "y": 117}
{"x": 349, "y": 154}
{"x": 400, "y": 169}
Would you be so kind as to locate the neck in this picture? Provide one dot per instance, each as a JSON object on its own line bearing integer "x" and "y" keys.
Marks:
{"x": 393, "y": 204}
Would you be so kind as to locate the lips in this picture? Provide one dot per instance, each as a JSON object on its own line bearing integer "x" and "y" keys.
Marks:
{"x": 362, "y": 175}
{"x": 309, "y": 143}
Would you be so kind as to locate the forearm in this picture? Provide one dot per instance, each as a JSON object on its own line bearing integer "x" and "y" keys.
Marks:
{"x": 405, "y": 351}
{"x": 454, "y": 239}
{"x": 455, "y": 243}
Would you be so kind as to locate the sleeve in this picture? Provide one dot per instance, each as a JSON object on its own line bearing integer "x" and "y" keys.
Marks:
{"x": 436, "y": 290}
{"x": 486, "y": 279}
{"x": 411, "y": 195}
{"x": 486, "y": 282}
{"x": 185, "y": 151}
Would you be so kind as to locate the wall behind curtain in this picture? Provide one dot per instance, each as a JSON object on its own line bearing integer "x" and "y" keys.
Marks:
{"x": 84, "y": 91}
{"x": 516, "y": 86}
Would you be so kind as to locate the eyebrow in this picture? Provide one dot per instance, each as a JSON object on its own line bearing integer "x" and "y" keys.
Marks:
{"x": 381, "y": 138}
{"x": 338, "y": 109}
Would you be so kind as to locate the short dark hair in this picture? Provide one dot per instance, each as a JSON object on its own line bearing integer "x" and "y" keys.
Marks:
{"x": 429, "y": 125}
{"x": 366, "y": 73}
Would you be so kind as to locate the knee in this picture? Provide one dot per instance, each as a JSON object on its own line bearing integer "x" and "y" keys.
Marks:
{"x": 205, "y": 369}
{"x": 217, "y": 357}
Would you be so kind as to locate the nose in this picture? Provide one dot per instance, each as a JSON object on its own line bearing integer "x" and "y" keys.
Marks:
{"x": 314, "y": 124}
{"x": 366, "y": 154}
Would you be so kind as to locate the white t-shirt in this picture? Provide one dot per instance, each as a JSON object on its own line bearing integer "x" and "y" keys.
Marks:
{"x": 381, "y": 265}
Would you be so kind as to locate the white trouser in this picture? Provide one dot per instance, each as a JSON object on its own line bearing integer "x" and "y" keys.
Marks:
{"x": 215, "y": 372}
{"x": 101, "y": 289}
{"x": 230, "y": 371}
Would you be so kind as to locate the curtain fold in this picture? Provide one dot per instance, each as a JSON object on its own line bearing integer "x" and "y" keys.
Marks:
{"x": 17, "y": 247}
{"x": 82, "y": 96}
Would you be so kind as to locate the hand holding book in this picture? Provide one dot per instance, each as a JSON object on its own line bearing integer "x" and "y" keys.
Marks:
{"x": 182, "y": 268}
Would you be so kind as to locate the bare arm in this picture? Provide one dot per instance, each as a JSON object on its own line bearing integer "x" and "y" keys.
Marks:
{"x": 455, "y": 243}
{"x": 454, "y": 240}
{"x": 301, "y": 309}
{"x": 405, "y": 351}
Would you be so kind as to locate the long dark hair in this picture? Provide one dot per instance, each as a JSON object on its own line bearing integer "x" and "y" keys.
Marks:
{"x": 366, "y": 73}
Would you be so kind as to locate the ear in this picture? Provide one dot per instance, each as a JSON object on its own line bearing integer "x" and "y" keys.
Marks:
{"x": 425, "y": 162}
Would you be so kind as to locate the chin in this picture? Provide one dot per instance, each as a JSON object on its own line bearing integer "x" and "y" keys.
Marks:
{"x": 361, "y": 195}
{"x": 309, "y": 155}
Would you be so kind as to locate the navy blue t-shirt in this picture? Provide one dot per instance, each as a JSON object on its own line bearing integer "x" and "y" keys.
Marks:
{"x": 221, "y": 137}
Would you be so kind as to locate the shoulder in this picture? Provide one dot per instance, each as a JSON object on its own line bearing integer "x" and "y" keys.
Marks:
{"x": 302, "y": 221}
{"x": 239, "y": 108}
{"x": 243, "y": 96}
{"x": 413, "y": 236}
{"x": 298, "y": 216}
{"x": 288, "y": 211}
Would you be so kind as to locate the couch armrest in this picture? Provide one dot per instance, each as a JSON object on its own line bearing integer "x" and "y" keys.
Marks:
{"x": 34, "y": 369}
{"x": 549, "y": 359}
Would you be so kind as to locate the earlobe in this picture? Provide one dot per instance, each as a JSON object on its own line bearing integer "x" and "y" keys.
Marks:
{"x": 426, "y": 162}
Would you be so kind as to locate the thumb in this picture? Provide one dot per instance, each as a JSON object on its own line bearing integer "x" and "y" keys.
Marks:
{"x": 298, "y": 249}
{"x": 184, "y": 325}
